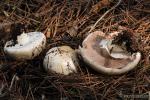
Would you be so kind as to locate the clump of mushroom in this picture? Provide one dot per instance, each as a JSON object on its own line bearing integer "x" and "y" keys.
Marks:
{"x": 28, "y": 46}
{"x": 102, "y": 55}
{"x": 61, "y": 60}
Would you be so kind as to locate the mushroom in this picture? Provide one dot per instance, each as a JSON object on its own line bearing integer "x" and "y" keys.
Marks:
{"x": 98, "y": 52}
{"x": 28, "y": 46}
{"x": 62, "y": 60}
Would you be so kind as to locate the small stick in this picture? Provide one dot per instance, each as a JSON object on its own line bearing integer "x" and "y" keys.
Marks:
{"x": 12, "y": 82}
{"x": 93, "y": 27}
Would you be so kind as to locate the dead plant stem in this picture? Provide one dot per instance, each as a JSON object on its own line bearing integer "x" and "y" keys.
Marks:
{"x": 93, "y": 27}
{"x": 12, "y": 82}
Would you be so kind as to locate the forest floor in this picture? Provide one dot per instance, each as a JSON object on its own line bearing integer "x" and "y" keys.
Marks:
{"x": 67, "y": 22}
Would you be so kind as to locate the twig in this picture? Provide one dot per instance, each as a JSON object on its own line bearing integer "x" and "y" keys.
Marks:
{"x": 93, "y": 27}
{"x": 2, "y": 93}
{"x": 12, "y": 82}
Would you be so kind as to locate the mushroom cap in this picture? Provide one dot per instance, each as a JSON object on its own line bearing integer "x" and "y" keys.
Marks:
{"x": 117, "y": 61}
{"x": 29, "y": 46}
{"x": 62, "y": 60}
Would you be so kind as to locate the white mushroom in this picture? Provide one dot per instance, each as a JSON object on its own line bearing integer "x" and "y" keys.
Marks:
{"x": 62, "y": 60}
{"x": 28, "y": 46}
{"x": 101, "y": 55}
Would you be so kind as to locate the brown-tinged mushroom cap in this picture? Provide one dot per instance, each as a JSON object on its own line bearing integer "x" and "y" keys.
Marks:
{"x": 102, "y": 60}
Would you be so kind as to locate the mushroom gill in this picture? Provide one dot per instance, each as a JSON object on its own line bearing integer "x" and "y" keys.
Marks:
{"x": 101, "y": 55}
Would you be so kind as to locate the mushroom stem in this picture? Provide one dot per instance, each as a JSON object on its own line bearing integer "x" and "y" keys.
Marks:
{"x": 23, "y": 39}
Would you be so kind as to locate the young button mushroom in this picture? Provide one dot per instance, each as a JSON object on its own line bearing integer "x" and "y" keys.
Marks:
{"x": 62, "y": 60}
{"x": 98, "y": 51}
{"x": 28, "y": 46}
